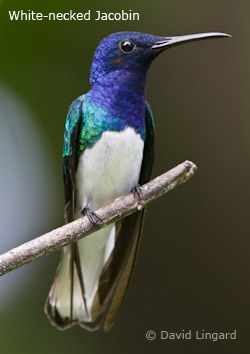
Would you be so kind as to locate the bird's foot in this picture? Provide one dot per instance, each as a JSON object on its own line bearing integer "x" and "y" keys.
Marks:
{"x": 137, "y": 191}
{"x": 92, "y": 216}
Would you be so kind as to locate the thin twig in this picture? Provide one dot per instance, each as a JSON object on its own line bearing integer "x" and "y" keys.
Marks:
{"x": 120, "y": 208}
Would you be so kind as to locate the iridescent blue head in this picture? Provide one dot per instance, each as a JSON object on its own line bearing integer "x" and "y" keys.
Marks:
{"x": 118, "y": 75}
{"x": 134, "y": 51}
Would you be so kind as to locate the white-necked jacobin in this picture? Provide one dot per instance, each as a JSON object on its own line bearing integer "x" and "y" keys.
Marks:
{"x": 108, "y": 151}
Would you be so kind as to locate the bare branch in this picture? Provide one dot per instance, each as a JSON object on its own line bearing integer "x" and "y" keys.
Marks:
{"x": 120, "y": 208}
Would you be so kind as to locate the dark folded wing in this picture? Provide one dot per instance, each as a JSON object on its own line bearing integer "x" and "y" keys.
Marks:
{"x": 70, "y": 161}
{"x": 70, "y": 156}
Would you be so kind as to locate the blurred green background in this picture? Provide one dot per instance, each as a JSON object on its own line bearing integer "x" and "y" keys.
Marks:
{"x": 193, "y": 265}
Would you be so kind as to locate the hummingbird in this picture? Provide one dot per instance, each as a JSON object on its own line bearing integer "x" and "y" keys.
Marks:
{"x": 109, "y": 147}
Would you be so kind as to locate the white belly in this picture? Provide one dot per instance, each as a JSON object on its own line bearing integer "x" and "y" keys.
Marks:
{"x": 109, "y": 169}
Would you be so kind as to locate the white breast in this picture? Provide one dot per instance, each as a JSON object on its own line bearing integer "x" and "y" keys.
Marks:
{"x": 109, "y": 169}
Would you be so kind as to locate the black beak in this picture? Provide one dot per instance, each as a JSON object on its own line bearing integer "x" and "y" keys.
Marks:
{"x": 173, "y": 41}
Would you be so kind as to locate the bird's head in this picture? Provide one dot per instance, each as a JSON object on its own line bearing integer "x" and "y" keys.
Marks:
{"x": 135, "y": 51}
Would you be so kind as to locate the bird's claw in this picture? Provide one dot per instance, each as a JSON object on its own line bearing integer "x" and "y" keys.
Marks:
{"x": 92, "y": 216}
{"x": 137, "y": 191}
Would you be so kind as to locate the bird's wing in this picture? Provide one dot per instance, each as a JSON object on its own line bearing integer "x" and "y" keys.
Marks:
{"x": 115, "y": 277}
{"x": 70, "y": 156}
{"x": 149, "y": 147}
{"x": 71, "y": 151}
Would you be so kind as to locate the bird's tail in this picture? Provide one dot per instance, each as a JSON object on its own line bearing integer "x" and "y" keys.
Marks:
{"x": 72, "y": 297}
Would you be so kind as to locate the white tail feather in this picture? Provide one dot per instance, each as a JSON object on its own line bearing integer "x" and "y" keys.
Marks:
{"x": 94, "y": 251}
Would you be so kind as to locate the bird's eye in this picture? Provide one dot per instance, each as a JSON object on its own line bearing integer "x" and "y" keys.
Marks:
{"x": 127, "y": 46}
